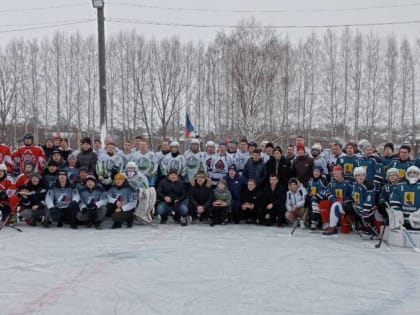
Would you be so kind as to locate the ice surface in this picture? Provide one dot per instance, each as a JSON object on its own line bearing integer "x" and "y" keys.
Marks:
{"x": 234, "y": 269}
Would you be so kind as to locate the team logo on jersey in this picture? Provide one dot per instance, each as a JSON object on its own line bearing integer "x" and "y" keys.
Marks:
{"x": 409, "y": 198}
{"x": 28, "y": 157}
{"x": 339, "y": 194}
{"x": 220, "y": 165}
{"x": 1, "y": 158}
{"x": 119, "y": 198}
{"x": 143, "y": 164}
{"x": 313, "y": 190}
{"x": 208, "y": 162}
{"x": 193, "y": 162}
{"x": 348, "y": 167}
{"x": 64, "y": 198}
{"x": 401, "y": 173}
{"x": 356, "y": 197}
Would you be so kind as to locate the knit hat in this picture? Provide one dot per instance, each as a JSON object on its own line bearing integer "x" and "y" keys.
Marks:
{"x": 300, "y": 147}
{"x": 232, "y": 167}
{"x": 91, "y": 177}
{"x": 119, "y": 176}
{"x": 389, "y": 145}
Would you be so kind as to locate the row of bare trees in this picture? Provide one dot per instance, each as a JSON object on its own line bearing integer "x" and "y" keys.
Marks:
{"x": 251, "y": 82}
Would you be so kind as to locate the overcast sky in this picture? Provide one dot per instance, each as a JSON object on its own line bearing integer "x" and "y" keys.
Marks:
{"x": 20, "y": 14}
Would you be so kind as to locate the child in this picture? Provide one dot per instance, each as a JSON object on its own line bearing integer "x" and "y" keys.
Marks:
{"x": 221, "y": 204}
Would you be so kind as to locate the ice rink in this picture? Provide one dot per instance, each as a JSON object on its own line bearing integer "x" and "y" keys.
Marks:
{"x": 234, "y": 269}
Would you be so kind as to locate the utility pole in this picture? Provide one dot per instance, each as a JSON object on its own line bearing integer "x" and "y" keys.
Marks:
{"x": 99, "y": 5}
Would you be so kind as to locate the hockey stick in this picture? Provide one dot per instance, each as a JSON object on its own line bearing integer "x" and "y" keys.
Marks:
{"x": 297, "y": 222}
{"x": 4, "y": 224}
{"x": 409, "y": 239}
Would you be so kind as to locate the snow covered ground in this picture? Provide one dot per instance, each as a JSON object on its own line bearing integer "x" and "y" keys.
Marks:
{"x": 234, "y": 269}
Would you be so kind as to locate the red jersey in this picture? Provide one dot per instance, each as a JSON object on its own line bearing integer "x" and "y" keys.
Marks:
{"x": 30, "y": 154}
{"x": 21, "y": 180}
{"x": 5, "y": 157}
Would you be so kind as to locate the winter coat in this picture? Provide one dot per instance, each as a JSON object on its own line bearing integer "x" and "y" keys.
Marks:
{"x": 253, "y": 197}
{"x": 277, "y": 196}
{"x": 281, "y": 168}
{"x": 174, "y": 190}
{"x": 200, "y": 195}
{"x": 255, "y": 170}
{"x": 37, "y": 196}
{"x": 302, "y": 169}
{"x": 87, "y": 158}
{"x": 223, "y": 195}
{"x": 235, "y": 185}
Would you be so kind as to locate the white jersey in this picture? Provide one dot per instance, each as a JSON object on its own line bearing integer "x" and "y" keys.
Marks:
{"x": 173, "y": 162}
{"x": 241, "y": 159}
{"x": 107, "y": 166}
{"x": 207, "y": 163}
{"x": 126, "y": 157}
{"x": 193, "y": 162}
{"x": 146, "y": 163}
{"x": 137, "y": 180}
{"x": 219, "y": 167}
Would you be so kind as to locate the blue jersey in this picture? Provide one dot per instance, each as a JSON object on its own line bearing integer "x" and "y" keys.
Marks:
{"x": 316, "y": 189}
{"x": 348, "y": 163}
{"x": 339, "y": 191}
{"x": 406, "y": 197}
{"x": 386, "y": 160}
{"x": 373, "y": 168}
{"x": 401, "y": 166}
{"x": 417, "y": 163}
{"x": 386, "y": 191}
{"x": 364, "y": 195}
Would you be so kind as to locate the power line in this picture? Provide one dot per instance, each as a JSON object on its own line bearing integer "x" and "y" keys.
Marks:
{"x": 46, "y": 26}
{"x": 43, "y": 23}
{"x": 80, "y": 4}
{"x": 272, "y": 11}
{"x": 218, "y": 26}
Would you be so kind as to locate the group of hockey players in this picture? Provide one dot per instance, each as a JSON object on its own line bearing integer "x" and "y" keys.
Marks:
{"x": 231, "y": 182}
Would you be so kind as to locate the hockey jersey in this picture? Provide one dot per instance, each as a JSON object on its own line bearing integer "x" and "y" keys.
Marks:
{"x": 219, "y": 167}
{"x": 406, "y": 197}
{"x": 5, "y": 157}
{"x": 401, "y": 166}
{"x": 171, "y": 161}
{"x": 364, "y": 197}
{"x": 374, "y": 170}
{"x": 316, "y": 189}
{"x": 348, "y": 163}
{"x": 146, "y": 163}
{"x": 107, "y": 166}
{"x": 30, "y": 154}
{"x": 339, "y": 191}
{"x": 193, "y": 162}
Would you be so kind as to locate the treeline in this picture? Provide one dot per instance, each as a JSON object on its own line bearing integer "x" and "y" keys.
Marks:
{"x": 249, "y": 82}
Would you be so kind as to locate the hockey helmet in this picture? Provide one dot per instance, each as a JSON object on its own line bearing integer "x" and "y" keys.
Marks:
{"x": 412, "y": 174}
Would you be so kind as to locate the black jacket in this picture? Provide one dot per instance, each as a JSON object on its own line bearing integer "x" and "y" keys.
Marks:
{"x": 175, "y": 190}
{"x": 87, "y": 158}
{"x": 281, "y": 168}
{"x": 200, "y": 195}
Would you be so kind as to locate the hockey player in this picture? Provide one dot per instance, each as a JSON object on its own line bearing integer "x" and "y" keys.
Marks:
{"x": 220, "y": 163}
{"x": 62, "y": 201}
{"x": 403, "y": 162}
{"x": 194, "y": 160}
{"x": 23, "y": 178}
{"x": 348, "y": 162}
{"x": 146, "y": 194}
{"x": 338, "y": 192}
{"x": 318, "y": 159}
{"x": 30, "y": 153}
{"x": 126, "y": 153}
{"x": 50, "y": 173}
{"x": 71, "y": 169}
{"x": 122, "y": 202}
{"x": 372, "y": 165}
{"x": 146, "y": 162}
{"x": 393, "y": 178}
{"x": 174, "y": 161}
{"x": 93, "y": 199}
{"x": 316, "y": 193}
{"x": 32, "y": 200}
{"x": 108, "y": 165}
{"x": 208, "y": 156}
{"x": 8, "y": 200}
{"x": 5, "y": 157}
{"x": 242, "y": 155}
{"x": 406, "y": 197}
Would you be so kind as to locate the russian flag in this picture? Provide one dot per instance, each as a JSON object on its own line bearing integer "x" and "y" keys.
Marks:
{"x": 188, "y": 126}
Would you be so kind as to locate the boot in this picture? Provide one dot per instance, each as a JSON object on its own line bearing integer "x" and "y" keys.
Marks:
{"x": 183, "y": 221}
{"x": 332, "y": 230}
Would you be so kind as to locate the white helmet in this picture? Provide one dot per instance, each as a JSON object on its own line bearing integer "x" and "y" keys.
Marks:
{"x": 363, "y": 144}
{"x": 3, "y": 167}
{"x": 194, "y": 141}
{"x": 412, "y": 179}
{"x": 174, "y": 144}
{"x": 359, "y": 171}
{"x": 131, "y": 165}
{"x": 210, "y": 144}
{"x": 316, "y": 147}
{"x": 391, "y": 171}
{"x": 131, "y": 169}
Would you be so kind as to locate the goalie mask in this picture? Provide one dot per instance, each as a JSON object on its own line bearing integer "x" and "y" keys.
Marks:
{"x": 131, "y": 169}
{"x": 412, "y": 174}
